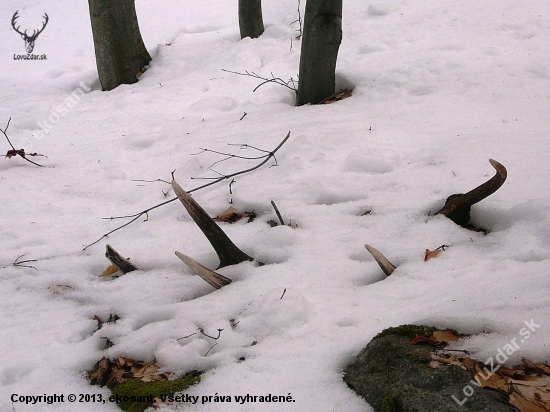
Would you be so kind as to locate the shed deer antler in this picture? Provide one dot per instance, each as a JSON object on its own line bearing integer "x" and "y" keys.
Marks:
{"x": 386, "y": 266}
{"x": 228, "y": 253}
{"x": 457, "y": 206}
{"x": 29, "y": 40}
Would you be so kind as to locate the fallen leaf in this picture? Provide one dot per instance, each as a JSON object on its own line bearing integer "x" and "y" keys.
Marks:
{"x": 430, "y": 254}
{"x": 446, "y": 336}
{"x": 12, "y": 153}
{"x": 527, "y": 393}
{"x": 109, "y": 271}
{"x": 230, "y": 215}
{"x": 539, "y": 368}
{"x": 531, "y": 396}
{"x": 344, "y": 94}
{"x": 439, "y": 339}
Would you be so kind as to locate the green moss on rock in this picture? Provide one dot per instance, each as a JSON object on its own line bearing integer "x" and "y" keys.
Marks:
{"x": 392, "y": 402}
{"x": 408, "y": 331}
{"x": 136, "y": 395}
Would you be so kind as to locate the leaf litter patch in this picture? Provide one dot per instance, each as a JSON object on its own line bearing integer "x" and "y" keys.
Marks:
{"x": 527, "y": 386}
{"x": 137, "y": 385}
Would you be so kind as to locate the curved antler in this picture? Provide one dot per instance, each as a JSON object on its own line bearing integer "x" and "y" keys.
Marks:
{"x": 457, "y": 206}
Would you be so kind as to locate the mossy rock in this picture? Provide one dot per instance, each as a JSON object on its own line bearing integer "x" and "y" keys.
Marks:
{"x": 136, "y": 395}
{"x": 393, "y": 375}
{"x": 408, "y": 331}
{"x": 392, "y": 402}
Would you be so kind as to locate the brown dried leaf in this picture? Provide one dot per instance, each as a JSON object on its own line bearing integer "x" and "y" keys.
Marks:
{"x": 430, "y": 254}
{"x": 344, "y": 94}
{"x": 528, "y": 393}
{"x": 446, "y": 336}
{"x": 540, "y": 368}
{"x": 12, "y": 153}
{"x": 230, "y": 215}
{"x": 491, "y": 380}
{"x": 439, "y": 339}
{"x": 101, "y": 375}
{"x": 531, "y": 396}
{"x": 109, "y": 271}
{"x": 511, "y": 373}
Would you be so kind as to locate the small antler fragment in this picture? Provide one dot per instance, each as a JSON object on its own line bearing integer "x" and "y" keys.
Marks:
{"x": 384, "y": 263}
{"x": 215, "y": 279}
{"x": 116, "y": 259}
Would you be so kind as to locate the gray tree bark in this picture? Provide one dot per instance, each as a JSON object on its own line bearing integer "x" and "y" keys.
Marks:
{"x": 251, "y": 23}
{"x": 320, "y": 44}
{"x": 119, "y": 49}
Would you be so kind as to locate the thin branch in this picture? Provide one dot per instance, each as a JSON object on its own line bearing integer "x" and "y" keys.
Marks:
{"x": 201, "y": 330}
{"x": 244, "y": 146}
{"x": 273, "y": 79}
{"x": 299, "y": 20}
{"x": 150, "y": 181}
{"x": 20, "y": 263}
{"x": 15, "y": 151}
{"x": 185, "y": 337}
{"x": 211, "y": 347}
{"x": 136, "y": 216}
{"x": 278, "y": 213}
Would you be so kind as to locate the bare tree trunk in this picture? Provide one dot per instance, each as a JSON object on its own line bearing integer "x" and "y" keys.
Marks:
{"x": 119, "y": 49}
{"x": 320, "y": 44}
{"x": 251, "y": 22}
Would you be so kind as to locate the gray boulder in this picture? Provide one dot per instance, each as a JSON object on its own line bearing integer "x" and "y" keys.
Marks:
{"x": 393, "y": 375}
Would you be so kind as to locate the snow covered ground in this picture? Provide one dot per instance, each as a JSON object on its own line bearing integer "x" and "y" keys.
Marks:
{"x": 439, "y": 88}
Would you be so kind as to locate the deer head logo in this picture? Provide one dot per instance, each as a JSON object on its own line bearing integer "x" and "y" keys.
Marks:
{"x": 29, "y": 40}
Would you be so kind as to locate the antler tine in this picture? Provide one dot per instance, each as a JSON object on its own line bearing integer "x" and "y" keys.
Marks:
{"x": 228, "y": 253}
{"x": 457, "y": 206}
{"x": 386, "y": 266}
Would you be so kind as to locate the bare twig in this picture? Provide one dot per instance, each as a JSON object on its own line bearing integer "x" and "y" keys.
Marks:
{"x": 20, "y": 263}
{"x": 270, "y": 155}
{"x": 201, "y": 330}
{"x": 211, "y": 347}
{"x": 185, "y": 337}
{"x": 153, "y": 181}
{"x": 20, "y": 152}
{"x": 150, "y": 181}
{"x": 273, "y": 79}
{"x": 298, "y": 20}
{"x": 284, "y": 291}
{"x": 278, "y": 213}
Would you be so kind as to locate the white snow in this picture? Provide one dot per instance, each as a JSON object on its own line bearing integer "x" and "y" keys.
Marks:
{"x": 439, "y": 88}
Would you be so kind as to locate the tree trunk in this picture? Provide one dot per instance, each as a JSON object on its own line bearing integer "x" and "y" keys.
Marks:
{"x": 119, "y": 49}
{"x": 320, "y": 44}
{"x": 251, "y": 23}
